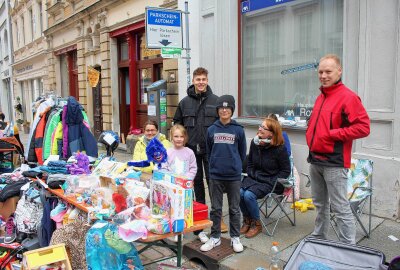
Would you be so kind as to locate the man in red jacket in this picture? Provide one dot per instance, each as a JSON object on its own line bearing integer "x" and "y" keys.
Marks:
{"x": 337, "y": 119}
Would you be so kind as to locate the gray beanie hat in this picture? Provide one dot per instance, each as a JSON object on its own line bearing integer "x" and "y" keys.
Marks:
{"x": 226, "y": 101}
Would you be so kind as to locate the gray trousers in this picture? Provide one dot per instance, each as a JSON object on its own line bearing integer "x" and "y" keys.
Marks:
{"x": 232, "y": 189}
{"x": 329, "y": 185}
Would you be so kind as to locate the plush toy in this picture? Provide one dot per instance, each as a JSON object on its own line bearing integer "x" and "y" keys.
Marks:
{"x": 81, "y": 166}
{"x": 119, "y": 199}
{"x": 303, "y": 205}
{"x": 155, "y": 152}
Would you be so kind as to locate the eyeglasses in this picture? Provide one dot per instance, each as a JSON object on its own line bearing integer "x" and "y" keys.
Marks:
{"x": 264, "y": 128}
{"x": 224, "y": 108}
{"x": 151, "y": 130}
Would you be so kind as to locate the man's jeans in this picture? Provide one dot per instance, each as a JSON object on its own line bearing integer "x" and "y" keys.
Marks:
{"x": 232, "y": 189}
{"x": 329, "y": 184}
{"x": 249, "y": 205}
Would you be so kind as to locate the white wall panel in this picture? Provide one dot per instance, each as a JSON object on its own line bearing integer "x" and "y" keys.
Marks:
{"x": 382, "y": 22}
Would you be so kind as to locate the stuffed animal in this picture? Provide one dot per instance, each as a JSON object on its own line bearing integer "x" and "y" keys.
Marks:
{"x": 303, "y": 205}
{"x": 155, "y": 152}
{"x": 119, "y": 199}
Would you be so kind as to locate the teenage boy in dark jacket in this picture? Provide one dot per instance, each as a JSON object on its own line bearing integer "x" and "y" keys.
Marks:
{"x": 196, "y": 112}
{"x": 226, "y": 150}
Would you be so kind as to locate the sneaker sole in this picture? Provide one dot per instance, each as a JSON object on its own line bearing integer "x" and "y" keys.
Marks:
{"x": 238, "y": 251}
{"x": 9, "y": 241}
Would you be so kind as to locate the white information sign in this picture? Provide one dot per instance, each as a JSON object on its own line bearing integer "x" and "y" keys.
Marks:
{"x": 163, "y": 28}
{"x": 151, "y": 110}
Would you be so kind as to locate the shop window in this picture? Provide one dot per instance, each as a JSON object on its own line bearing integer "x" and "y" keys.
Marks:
{"x": 281, "y": 46}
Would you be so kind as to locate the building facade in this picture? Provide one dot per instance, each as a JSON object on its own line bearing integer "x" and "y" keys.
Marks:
{"x": 6, "y": 59}
{"x": 108, "y": 36}
{"x": 30, "y": 59}
{"x": 265, "y": 53}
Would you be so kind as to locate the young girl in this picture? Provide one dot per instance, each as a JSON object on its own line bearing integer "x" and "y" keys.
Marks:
{"x": 181, "y": 159}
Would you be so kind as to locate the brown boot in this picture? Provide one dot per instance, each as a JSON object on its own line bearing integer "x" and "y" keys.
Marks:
{"x": 246, "y": 225}
{"x": 255, "y": 229}
{"x": 224, "y": 227}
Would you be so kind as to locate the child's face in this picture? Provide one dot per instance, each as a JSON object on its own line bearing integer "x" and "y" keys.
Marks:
{"x": 224, "y": 113}
{"x": 178, "y": 139}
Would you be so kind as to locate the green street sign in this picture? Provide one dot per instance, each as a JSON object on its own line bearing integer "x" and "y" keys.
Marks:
{"x": 171, "y": 52}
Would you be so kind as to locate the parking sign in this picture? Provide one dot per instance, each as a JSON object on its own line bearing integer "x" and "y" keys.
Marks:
{"x": 163, "y": 28}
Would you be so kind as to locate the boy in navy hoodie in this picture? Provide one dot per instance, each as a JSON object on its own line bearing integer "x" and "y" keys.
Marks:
{"x": 226, "y": 150}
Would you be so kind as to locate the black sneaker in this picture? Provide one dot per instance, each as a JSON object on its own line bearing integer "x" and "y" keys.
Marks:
{"x": 11, "y": 233}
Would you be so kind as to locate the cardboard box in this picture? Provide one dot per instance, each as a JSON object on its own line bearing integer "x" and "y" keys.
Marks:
{"x": 108, "y": 182}
{"x": 47, "y": 255}
{"x": 188, "y": 208}
{"x": 184, "y": 182}
{"x": 8, "y": 207}
{"x": 167, "y": 198}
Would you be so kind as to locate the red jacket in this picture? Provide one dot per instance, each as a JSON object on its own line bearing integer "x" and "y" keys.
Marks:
{"x": 337, "y": 119}
{"x": 39, "y": 136}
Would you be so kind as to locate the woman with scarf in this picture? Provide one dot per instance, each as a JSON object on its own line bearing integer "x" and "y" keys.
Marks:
{"x": 150, "y": 132}
{"x": 268, "y": 161}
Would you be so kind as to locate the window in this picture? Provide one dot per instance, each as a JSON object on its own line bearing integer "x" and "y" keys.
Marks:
{"x": 281, "y": 45}
{"x": 124, "y": 51}
{"x": 18, "y": 34}
{"x": 40, "y": 18}
{"x": 5, "y": 43}
{"x": 22, "y": 33}
{"x": 32, "y": 23}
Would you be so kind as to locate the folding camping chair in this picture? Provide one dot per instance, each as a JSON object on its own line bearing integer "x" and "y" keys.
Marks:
{"x": 359, "y": 191}
{"x": 277, "y": 206}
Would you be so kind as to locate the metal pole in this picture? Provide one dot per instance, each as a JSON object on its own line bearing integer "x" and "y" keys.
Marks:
{"x": 187, "y": 44}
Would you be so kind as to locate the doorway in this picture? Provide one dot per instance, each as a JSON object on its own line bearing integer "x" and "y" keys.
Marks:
{"x": 124, "y": 100}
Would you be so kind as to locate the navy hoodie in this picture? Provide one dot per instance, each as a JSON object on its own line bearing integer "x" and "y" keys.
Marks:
{"x": 79, "y": 136}
{"x": 226, "y": 150}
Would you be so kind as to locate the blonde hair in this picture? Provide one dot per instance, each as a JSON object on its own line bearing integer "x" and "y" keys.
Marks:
{"x": 276, "y": 129}
{"x": 332, "y": 56}
{"x": 181, "y": 129}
